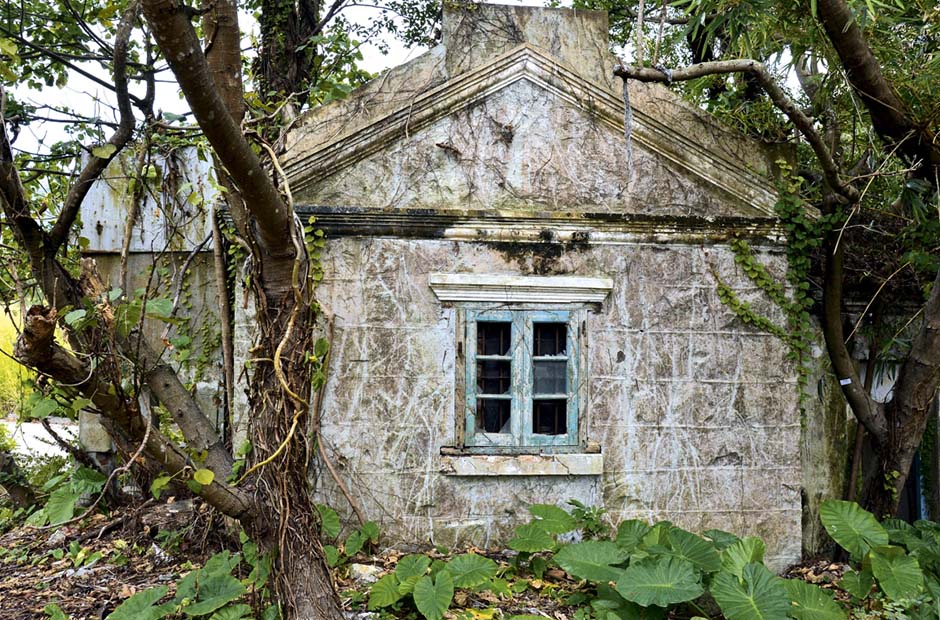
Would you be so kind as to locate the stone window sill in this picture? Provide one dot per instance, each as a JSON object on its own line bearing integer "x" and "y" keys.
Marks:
{"x": 472, "y": 465}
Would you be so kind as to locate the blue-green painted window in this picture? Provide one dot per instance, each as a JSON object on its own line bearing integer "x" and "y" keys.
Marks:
{"x": 522, "y": 378}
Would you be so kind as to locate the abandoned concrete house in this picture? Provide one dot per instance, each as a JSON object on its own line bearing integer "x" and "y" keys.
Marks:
{"x": 524, "y": 308}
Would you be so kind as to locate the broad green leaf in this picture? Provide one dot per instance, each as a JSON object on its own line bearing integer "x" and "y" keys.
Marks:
{"x": 531, "y": 538}
{"x": 809, "y": 602}
{"x": 44, "y": 408}
{"x": 660, "y": 581}
{"x": 54, "y": 612}
{"x": 432, "y": 598}
{"x": 898, "y": 574}
{"x": 161, "y": 308}
{"x": 722, "y": 539}
{"x": 329, "y": 521}
{"x": 761, "y": 596}
{"x": 142, "y": 606}
{"x": 233, "y": 612}
{"x": 384, "y": 592}
{"x": 87, "y": 480}
{"x": 104, "y": 151}
{"x": 553, "y": 519}
{"x": 592, "y": 560}
{"x": 407, "y": 586}
{"x": 354, "y": 543}
{"x": 470, "y": 570}
{"x": 857, "y": 584}
{"x": 854, "y": 528}
{"x": 411, "y": 565}
{"x": 332, "y": 555}
{"x": 74, "y": 316}
{"x": 370, "y": 530}
{"x": 696, "y": 550}
{"x": 61, "y": 505}
{"x": 630, "y": 533}
{"x": 158, "y": 484}
{"x": 216, "y": 590}
{"x": 204, "y": 476}
{"x": 742, "y": 553}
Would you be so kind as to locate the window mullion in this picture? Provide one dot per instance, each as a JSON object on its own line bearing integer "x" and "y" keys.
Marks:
{"x": 519, "y": 377}
{"x": 574, "y": 378}
{"x": 470, "y": 354}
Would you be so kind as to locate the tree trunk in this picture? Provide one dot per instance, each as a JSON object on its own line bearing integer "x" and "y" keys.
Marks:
{"x": 13, "y": 481}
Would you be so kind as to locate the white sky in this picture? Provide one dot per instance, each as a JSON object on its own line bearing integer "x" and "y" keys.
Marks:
{"x": 88, "y": 98}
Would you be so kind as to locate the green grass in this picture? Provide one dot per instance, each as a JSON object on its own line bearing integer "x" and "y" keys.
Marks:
{"x": 12, "y": 374}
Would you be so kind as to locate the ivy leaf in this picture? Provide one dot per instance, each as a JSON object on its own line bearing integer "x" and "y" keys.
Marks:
{"x": 141, "y": 606}
{"x": 104, "y": 151}
{"x": 74, "y": 316}
{"x": 898, "y": 574}
{"x": 432, "y": 598}
{"x": 158, "y": 484}
{"x": 384, "y": 592}
{"x": 329, "y": 521}
{"x": 159, "y": 308}
{"x": 811, "y": 603}
{"x": 531, "y": 538}
{"x": 661, "y": 581}
{"x": 44, "y": 408}
{"x": 470, "y": 570}
{"x": 553, "y": 519}
{"x": 761, "y": 596}
{"x": 204, "y": 476}
{"x": 592, "y": 560}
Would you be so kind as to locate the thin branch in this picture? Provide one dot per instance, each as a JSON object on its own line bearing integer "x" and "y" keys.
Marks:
{"x": 120, "y": 138}
{"x": 779, "y": 98}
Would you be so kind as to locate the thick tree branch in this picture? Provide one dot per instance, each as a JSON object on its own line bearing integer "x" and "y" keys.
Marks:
{"x": 919, "y": 376}
{"x": 181, "y": 47}
{"x": 120, "y": 138}
{"x": 868, "y": 412}
{"x": 779, "y": 98}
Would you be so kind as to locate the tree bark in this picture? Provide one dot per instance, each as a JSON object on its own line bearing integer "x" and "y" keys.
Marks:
{"x": 14, "y": 483}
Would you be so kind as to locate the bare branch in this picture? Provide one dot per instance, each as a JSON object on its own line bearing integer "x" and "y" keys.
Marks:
{"x": 779, "y": 98}
{"x": 120, "y": 138}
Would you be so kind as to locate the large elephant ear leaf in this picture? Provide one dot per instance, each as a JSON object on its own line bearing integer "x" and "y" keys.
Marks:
{"x": 741, "y": 553}
{"x": 433, "y": 597}
{"x": 855, "y": 529}
{"x": 630, "y": 534}
{"x": 660, "y": 580}
{"x": 812, "y": 603}
{"x": 700, "y": 552}
{"x": 553, "y": 519}
{"x": 592, "y": 560}
{"x": 898, "y": 574}
{"x": 758, "y": 595}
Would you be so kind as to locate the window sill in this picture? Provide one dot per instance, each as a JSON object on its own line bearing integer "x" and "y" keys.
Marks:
{"x": 473, "y": 465}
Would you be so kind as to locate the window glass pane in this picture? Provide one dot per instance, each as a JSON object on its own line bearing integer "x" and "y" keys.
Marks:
{"x": 493, "y": 415}
{"x": 493, "y": 338}
{"x": 493, "y": 376}
{"x": 549, "y": 417}
{"x": 550, "y": 377}
{"x": 550, "y": 338}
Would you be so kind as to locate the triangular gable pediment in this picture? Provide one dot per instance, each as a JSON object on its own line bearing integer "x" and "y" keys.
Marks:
{"x": 684, "y": 140}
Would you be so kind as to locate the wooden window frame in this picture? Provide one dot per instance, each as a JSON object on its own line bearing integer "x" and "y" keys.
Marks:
{"x": 521, "y": 439}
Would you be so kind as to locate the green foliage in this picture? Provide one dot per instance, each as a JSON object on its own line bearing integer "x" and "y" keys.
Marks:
{"x": 854, "y": 528}
{"x": 64, "y": 490}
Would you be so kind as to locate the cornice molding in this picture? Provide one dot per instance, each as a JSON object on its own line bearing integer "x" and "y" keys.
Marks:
{"x": 472, "y": 287}
{"x": 529, "y": 63}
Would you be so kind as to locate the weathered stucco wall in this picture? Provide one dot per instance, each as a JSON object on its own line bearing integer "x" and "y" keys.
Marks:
{"x": 696, "y": 414}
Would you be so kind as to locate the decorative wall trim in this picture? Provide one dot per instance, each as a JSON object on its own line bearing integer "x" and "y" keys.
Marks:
{"x": 523, "y": 465}
{"x": 519, "y": 289}
{"x": 531, "y": 64}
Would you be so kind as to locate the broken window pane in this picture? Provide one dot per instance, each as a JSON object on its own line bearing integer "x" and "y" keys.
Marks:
{"x": 493, "y": 338}
{"x": 550, "y": 377}
{"x": 550, "y": 338}
{"x": 550, "y": 417}
{"x": 494, "y": 376}
{"x": 493, "y": 415}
